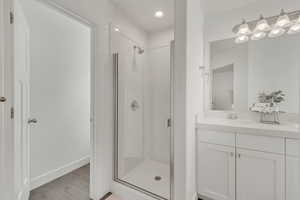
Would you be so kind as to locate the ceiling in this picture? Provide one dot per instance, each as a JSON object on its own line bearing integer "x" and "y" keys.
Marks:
{"x": 141, "y": 12}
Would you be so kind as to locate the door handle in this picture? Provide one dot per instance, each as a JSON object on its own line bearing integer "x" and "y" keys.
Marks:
{"x": 32, "y": 121}
{"x": 2, "y": 99}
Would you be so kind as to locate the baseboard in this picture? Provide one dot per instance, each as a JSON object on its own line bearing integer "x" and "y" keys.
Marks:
{"x": 106, "y": 196}
{"x": 54, "y": 174}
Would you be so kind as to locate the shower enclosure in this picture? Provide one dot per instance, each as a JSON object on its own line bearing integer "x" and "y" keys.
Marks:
{"x": 143, "y": 116}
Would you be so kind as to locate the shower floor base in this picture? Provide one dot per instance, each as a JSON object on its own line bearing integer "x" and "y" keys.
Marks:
{"x": 152, "y": 176}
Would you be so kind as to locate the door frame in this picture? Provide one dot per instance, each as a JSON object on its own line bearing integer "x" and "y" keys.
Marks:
{"x": 7, "y": 88}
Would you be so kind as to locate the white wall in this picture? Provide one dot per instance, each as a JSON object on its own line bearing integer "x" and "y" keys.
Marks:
{"x": 60, "y": 91}
{"x": 188, "y": 94}
{"x": 160, "y": 39}
{"x": 195, "y": 87}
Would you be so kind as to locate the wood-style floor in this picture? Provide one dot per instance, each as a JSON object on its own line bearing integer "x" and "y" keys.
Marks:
{"x": 73, "y": 186}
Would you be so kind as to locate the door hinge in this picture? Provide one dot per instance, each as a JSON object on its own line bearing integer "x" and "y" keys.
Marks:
{"x": 169, "y": 122}
{"x": 11, "y": 17}
{"x": 12, "y": 113}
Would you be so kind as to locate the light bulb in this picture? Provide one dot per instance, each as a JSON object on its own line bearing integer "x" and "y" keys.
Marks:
{"x": 159, "y": 14}
{"x": 262, "y": 25}
{"x": 242, "y": 39}
{"x": 276, "y": 32}
{"x": 258, "y": 35}
{"x": 295, "y": 28}
{"x": 244, "y": 29}
{"x": 283, "y": 20}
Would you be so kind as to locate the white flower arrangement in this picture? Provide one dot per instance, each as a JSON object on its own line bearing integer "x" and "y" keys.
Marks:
{"x": 269, "y": 105}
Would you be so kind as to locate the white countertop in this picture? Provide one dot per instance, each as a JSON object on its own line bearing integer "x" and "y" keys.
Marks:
{"x": 287, "y": 130}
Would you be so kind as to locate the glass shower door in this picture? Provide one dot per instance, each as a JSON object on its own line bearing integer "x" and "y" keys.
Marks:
{"x": 143, "y": 110}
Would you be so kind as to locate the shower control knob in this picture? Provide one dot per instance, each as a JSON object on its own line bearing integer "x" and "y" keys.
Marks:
{"x": 135, "y": 105}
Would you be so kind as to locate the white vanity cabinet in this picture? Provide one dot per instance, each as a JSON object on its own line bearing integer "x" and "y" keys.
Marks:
{"x": 216, "y": 165}
{"x": 240, "y": 166}
{"x": 216, "y": 171}
{"x": 259, "y": 167}
{"x": 292, "y": 169}
{"x": 260, "y": 176}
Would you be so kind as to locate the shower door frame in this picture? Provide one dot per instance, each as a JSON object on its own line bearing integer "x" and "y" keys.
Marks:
{"x": 116, "y": 178}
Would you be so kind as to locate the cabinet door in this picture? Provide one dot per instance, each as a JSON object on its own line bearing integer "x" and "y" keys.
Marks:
{"x": 292, "y": 178}
{"x": 216, "y": 171}
{"x": 260, "y": 176}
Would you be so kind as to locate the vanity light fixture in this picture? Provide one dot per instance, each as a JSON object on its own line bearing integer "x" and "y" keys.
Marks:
{"x": 272, "y": 27}
{"x": 295, "y": 28}
{"x": 117, "y": 29}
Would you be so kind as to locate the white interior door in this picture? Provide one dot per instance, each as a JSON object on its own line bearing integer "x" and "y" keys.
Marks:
{"x": 22, "y": 95}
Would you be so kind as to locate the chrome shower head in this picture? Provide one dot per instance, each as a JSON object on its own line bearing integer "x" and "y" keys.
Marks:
{"x": 140, "y": 50}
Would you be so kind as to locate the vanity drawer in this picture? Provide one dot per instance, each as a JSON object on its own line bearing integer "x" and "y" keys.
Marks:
{"x": 293, "y": 147}
{"x": 216, "y": 137}
{"x": 261, "y": 143}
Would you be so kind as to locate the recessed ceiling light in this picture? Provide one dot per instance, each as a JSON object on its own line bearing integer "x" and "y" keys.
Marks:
{"x": 159, "y": 14}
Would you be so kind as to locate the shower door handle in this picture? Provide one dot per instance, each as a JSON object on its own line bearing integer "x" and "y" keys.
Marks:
{"x": 116, "y": 63}
{"x": 116, "y": 80}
